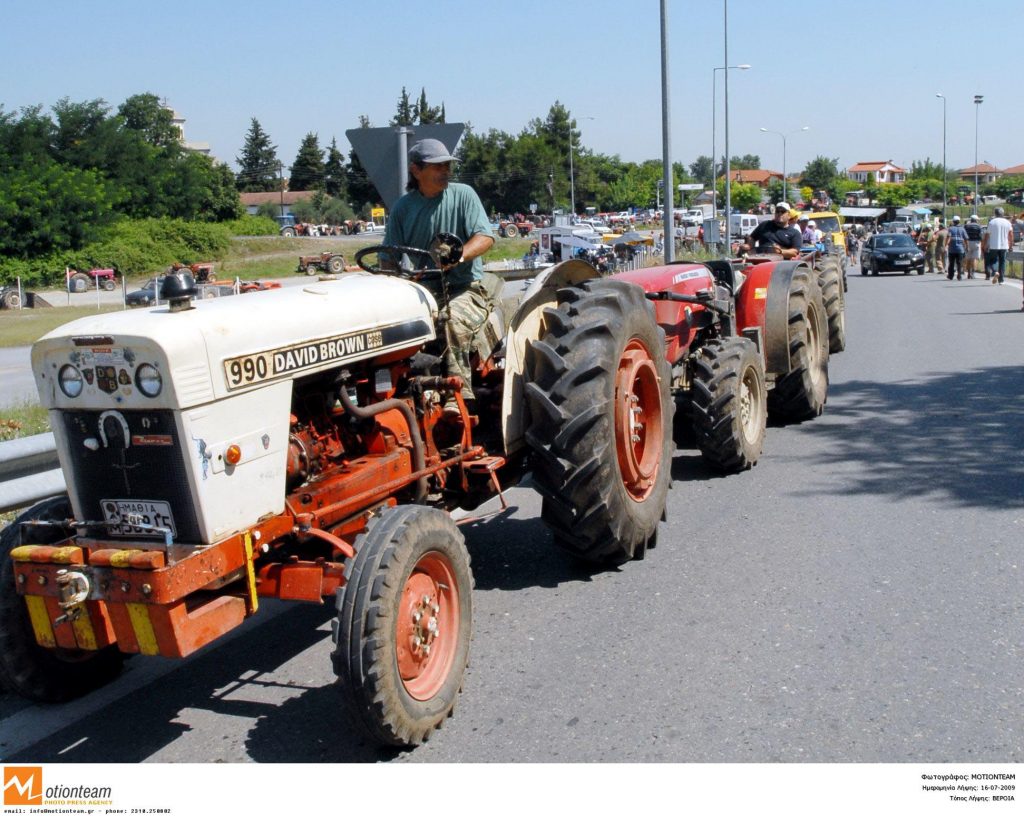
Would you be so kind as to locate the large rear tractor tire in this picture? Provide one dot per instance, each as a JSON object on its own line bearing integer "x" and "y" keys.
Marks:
{"x": 26, "y": 668}
{"x": 729, "y": 403}
{"x": 404, "y": 623}
{"x": 80, "y": 282}
{"x": 830, "y": 281}
{"x": 801, "y": 394}
{"x": 336, "y": 265}
{"x": 601, "y": 421}
{"x": 11, "y": 299}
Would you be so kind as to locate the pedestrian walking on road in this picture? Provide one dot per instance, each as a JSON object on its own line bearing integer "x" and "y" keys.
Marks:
{"x": 974, "y": 235}
{"x": 926, "y": 241}
{"x": 941, "y": 243}
{"x": 998, "y": 239}
{"x": 956, "y": 249}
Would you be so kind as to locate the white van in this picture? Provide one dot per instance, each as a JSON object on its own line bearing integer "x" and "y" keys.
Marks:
{"x": 741, "y": 225}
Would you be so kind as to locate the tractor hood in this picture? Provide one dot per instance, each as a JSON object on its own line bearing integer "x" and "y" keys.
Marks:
{"x": 232, "y": 344}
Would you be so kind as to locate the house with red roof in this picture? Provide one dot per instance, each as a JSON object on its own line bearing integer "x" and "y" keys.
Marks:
{"x": 987, "y": 173}
{"x": 885, "y": 172}
{"x": 759, "y": 177}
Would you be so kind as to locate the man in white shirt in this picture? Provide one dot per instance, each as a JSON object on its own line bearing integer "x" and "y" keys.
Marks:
{"x": 997, "y": 240}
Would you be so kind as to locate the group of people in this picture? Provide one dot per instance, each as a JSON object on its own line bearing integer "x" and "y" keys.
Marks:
{"x": 958, "y": 249}
{"x": 783, "y": 235}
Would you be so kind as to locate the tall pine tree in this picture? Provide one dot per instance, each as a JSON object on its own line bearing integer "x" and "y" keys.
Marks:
{"x": 334, "y": 172}
{"x": 258, "y": 163}
{"x": 308, "y": 169}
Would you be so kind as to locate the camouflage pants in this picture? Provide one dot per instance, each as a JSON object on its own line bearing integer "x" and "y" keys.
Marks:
{"x": 467, "y": 332}
{"x": 929, "y": 259}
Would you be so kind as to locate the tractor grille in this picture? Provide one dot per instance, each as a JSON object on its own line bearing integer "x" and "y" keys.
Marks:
{"x": 151, "y": 468}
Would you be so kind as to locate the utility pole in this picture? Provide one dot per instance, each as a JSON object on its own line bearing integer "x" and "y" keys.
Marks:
{"x": 978, "y": 99}
{"x": 668, "y": 220}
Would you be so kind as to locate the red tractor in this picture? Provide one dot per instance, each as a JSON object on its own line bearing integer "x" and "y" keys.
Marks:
{"x": 296, "y": 446}
{"x": 202, "y": 272}
{"x": 84, "y": 281}
{"x": 329, "y": 262}
{"x": 515, "y": 227}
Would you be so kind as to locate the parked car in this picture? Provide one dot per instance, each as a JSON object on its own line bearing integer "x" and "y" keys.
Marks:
{"x": 144, "y": 296}
{"x": 891, "y": 252}
{"x": 596, "y": 224}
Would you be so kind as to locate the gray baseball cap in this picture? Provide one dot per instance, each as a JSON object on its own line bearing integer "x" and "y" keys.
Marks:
{"x": 430, "y": 151}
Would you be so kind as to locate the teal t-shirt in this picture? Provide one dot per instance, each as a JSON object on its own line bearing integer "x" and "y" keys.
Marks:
{"x": 416, "y": 219}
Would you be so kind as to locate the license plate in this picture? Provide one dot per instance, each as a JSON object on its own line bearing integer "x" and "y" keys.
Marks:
{"x": 902, "y": 263}
{"x": 137, "y": 518}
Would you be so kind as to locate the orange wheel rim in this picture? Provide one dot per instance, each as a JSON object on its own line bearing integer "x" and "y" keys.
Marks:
{"x": 427, "y": 633}
{"x": 638, "y": 420}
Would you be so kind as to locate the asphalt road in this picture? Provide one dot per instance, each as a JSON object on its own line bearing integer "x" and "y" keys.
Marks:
{"x": 856, "y": 597}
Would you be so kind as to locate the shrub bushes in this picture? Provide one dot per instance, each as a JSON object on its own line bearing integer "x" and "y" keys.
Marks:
{"x": 134, "y": 248}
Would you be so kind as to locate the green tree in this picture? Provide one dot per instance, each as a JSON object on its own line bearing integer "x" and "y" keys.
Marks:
{"x": 218, "y": 197}
{"x": 744, "y": 196}
{"x": 27, "y": 136}
{"x": 820, "y": 172}
{"x": 45, "y": 207}
{"x": 308, "y": 169}
{"x": 703, "y": 169}
{"x": 258, "y": 164}
{"x": 144, "y": 114}
{"x": 893, "y": 195}
{"x": 334, "y": 172}
{"x": 427, "y": 115}
{"x": 405, "y": 113}
{"x": 926, "y": 169}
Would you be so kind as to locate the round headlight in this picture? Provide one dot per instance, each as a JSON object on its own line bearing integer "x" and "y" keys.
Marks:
{"x": 147, "y": 378}
{"x": 70, "y": 380}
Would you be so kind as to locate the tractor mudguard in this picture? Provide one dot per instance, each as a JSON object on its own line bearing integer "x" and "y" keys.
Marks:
{"x": 763, "y": 303}
{"x": 680, "y": 321}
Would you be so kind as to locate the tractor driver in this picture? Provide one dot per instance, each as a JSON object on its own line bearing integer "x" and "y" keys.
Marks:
{"x": 778, "y": 236}
{"x": 432, "y": 205}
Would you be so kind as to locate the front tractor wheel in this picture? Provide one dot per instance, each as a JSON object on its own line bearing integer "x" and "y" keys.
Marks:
{"x": 600, "y": 421}
{"x": 403, "y": 626}
{"x": 801, "y": 393}
{"x": 26, "y": 668}
{"x": 729, "y": 404}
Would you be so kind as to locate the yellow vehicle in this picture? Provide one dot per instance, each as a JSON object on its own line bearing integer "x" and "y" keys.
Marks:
{"x": 830, "y": 224}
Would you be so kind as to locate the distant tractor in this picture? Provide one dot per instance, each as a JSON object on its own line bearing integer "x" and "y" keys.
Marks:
{"x": 84, "y": 281}
{"x": 330, "y": 262}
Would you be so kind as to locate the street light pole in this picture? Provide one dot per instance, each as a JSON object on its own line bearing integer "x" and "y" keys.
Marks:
{"x": 572, "y": 178}
{"x": 940, "y": 96}
{"x": 783, "y": 135}
{"x": 728, "y": 161}
{"x": 978, "y": 99}
{"x": 714, "y": 93}
{"x": 667, "y": 221}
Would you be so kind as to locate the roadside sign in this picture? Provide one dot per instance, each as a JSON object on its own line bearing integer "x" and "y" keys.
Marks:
{"x": 380, "y": 151}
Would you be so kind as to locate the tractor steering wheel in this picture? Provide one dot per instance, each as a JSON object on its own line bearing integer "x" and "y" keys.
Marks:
{"x": 389, "y": 260}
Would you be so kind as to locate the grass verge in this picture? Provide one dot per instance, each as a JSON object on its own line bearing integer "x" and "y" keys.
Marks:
{"x": 22, "y": 327}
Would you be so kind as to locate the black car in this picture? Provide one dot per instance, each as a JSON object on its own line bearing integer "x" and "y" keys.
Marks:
{"x": 144, "y": 296}
{"x": 891, "y": 252}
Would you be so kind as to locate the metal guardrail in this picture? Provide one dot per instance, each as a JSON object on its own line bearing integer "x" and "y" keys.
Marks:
{"x": 29, "y": 471}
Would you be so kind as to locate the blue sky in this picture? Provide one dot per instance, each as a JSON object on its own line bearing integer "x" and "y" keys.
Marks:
{"x": 862, "y": 76}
